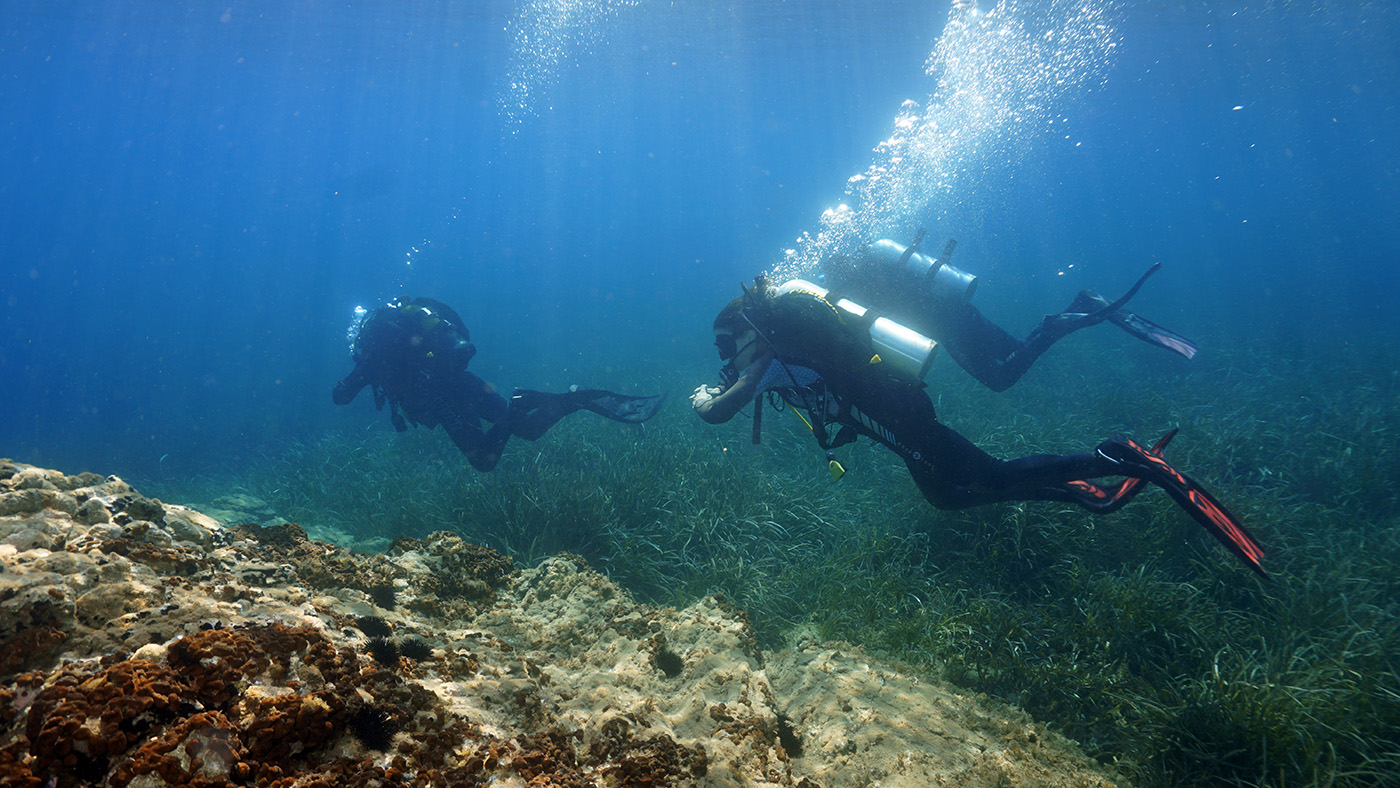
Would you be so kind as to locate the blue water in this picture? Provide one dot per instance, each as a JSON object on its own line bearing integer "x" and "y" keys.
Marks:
{"x": 196, "y": 195}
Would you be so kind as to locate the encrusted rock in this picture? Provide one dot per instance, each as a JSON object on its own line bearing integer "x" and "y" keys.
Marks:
{"x": 188, "y": 525}
{"x": 163, "y": 650}
{"x": 91, "y": 512}
{"x": 112, "y": 601}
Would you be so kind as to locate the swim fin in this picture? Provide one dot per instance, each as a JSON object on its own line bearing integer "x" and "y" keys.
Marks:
{"x": 618, "y": 407}
{"x": 1201, "y": 505}
{"x": 1089, "y": 302}
{"x": 1100, "y": 499}
{"x": 1083, "y": 313}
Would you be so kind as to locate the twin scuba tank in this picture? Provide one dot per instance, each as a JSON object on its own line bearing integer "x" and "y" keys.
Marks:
{"x": 904, "y": 349}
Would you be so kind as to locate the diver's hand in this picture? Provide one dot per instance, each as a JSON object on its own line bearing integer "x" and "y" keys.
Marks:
{"x": 703, "y": 394}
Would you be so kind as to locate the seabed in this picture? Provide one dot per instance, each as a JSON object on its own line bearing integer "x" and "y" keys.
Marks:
{"x": 672, "y": 606}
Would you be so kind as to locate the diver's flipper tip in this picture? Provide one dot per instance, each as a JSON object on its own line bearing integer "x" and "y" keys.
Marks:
{"x": 1097, "y": 309}
{"x": 1190, "y": 496}
{"x": 621, "y": 407}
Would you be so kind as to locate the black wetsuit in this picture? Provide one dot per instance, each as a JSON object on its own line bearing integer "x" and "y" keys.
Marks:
{"x": 950, "y": 471}
{"x": 415, "y": 357}
{"x": 979, "y": 346}
{"x": 823, "y": 367}
{"x": 824, "y": 363}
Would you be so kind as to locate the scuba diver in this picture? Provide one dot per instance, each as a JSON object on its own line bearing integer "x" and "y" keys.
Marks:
{"x": 414, "y": 355}
{"x": 849, "y": 368}
{"x": 932, "y": 297}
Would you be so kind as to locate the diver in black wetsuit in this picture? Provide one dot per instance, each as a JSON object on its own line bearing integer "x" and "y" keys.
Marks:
{"x": 932, "y": 297}
{"x": 846, "y": 369}
{"x": 414, "y": 355}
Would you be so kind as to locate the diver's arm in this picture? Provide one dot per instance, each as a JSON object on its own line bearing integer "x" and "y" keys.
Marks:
{"x": 347, "y": 389}
{"x": 719, "y": 408}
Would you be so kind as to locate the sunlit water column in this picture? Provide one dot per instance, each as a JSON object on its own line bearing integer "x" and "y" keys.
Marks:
{"x": 548, "y": 33}
{"x": 1006, "y": 76}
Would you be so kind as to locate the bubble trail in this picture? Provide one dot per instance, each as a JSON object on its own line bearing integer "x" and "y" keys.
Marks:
{"x": 1003, "y": 77}
{"x": 548, "y": 33}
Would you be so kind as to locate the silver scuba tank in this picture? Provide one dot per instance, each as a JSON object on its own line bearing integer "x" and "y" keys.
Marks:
{"x": 899, "y": 346}
{"x": 941, "y": 279}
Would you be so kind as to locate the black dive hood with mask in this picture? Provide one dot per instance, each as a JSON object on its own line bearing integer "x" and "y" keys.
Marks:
{"x": 737, "y": 318}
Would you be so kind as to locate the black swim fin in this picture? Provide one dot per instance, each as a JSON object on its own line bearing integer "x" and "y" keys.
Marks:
{"x": 1087, "y": 309}
{"x": 618, "y": 407}
{"x": 1089, "y": 302}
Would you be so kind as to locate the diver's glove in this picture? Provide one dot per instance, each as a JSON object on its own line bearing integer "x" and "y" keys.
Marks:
{"x": 704, "y": 394}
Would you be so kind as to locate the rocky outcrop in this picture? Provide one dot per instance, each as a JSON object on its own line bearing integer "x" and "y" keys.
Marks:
{"x": 145, "y": 644}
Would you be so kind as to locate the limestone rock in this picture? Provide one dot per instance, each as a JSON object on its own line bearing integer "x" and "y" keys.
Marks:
{"x": 166, "y": 649}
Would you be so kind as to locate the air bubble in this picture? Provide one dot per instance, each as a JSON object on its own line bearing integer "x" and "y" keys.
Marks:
{"x": 1001, "y": 76}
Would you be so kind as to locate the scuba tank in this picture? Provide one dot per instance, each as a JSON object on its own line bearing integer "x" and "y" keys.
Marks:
{"x": 905, "y": 349}
{"x": 937, "y": 276}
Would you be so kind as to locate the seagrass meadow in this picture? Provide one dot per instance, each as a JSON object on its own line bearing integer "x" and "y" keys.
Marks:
{"x": 204, "y": 202}
{"x": 1135, "y": 633}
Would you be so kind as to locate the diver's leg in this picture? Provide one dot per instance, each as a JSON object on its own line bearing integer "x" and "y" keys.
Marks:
{"x": 618, "y": 407}
{"x": 1004, "y": 369}
{"x": 459, "y": 406}
{"x": 978, "y": 345}
{"x": 998, "y": 363}
{"x": 485, "y": 402}
{"x": 528, "y": 415}
{"x": 482, "y": 450}
{"x": 951, "y": 471}
{"x": 972, "y": 477}
{"x": 532, "y": 413}
{"x": 994, "y": 357}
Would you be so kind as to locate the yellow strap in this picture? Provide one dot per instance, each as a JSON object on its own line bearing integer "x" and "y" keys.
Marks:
{"x": 799, "y": 415}
{"x": 812, "y": 294}
{"x": 836, "y": 468}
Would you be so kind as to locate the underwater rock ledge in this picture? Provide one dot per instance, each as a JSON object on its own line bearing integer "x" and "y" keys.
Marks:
{"x": 144, "y": 644}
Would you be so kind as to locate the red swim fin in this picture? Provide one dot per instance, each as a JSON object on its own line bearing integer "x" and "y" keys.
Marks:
{"x": 1105, "y": 499}
{"x": 1200, "y": 504}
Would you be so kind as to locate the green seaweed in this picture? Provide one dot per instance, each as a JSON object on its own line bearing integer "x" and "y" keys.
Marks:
{"x": 1134, "y": 633}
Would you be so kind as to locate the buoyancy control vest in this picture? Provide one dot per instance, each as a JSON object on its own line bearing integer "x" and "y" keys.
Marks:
{"x": 903, "y": 349}
{"x": 821, "y": 344}
{"x": 406, "y": 350}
